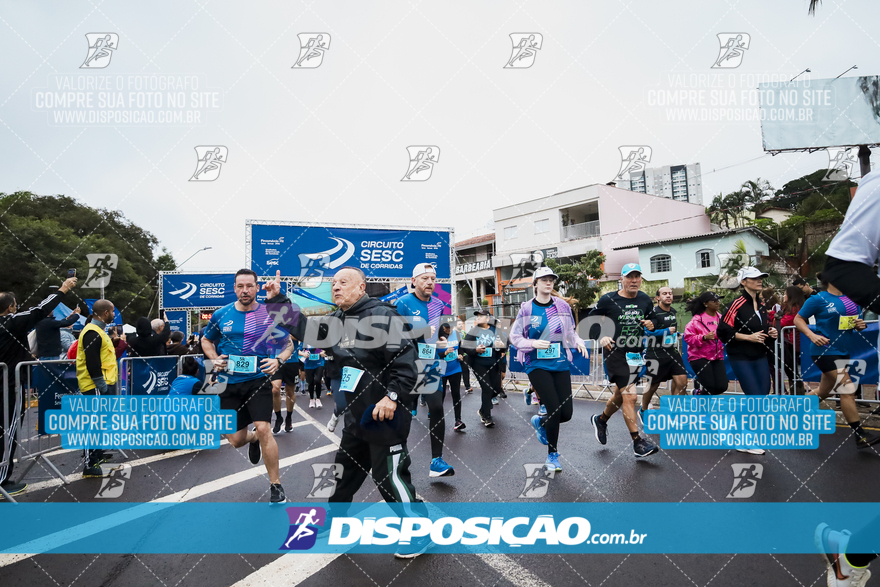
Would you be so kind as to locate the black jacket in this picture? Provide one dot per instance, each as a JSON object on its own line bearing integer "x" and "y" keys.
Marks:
{"x": 14, "y": 330}
{"x": 469, "y": 346}
{"x": 741, "y": 317}
{"x": 49, "y": 335}
{"x": 145, "y": 342}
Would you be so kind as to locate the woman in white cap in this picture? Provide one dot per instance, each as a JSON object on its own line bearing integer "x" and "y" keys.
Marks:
{"x": 748, "y": 334}
{"x": 544, "y": 334}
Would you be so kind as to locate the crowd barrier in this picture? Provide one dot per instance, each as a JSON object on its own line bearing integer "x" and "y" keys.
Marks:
{"x": 150, "y": 375}
{"x": 7, "y": 438}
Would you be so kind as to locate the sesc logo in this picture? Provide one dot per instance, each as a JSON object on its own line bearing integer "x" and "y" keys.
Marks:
{"x": 303, "y": 531}
{"x": 186, "y": 291}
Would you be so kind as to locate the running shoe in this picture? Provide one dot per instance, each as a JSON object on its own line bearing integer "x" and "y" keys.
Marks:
{"x": 331, "y": 425}
{"x": 535, "y": 398}
{"x": 288, "y": 424}
{"x": 413, "y": 549}
{"x": 414, "y": 413}
{"x": 311, "y": 403}
{"x": 599, "y": 428}
{"x": 440, "y": 468}
{"x": 539, "y": 429}
{"x": 831, "y": 545}
{"x": 318, "y": 404}
{"x": 469, "y": 390}
{"x": 13, "y": 488}
{"x": 276, "y": 493}
{"x": 255, "y": 455}
{"x": 866, "y": 439}
{"x": 422, "y": 401}
{"x": 459, "y": 426}
{"x": 542, "y": 410}
{"x": 552, "y": 462}
{"x": 640, "y": 411}
{"x": 752, "y": 451}
{"x": 495, "y": 401}
{"x": 642, "y": 447}
{"x": 329, "y": 392}
{"x": 488, "y": 421}
{"x": 94, "y": 471}
{"x": 276, "y": 429}
{"x": 503, "y": 395}
{"x": 527, "y": 396}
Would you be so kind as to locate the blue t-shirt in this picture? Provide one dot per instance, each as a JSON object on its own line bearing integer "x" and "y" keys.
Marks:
{"x": 315, "y": 359}
{"x": 249, "y": 334}
{"x": 423, "y": 314}
{"x": 184, "y": 385}
{"x": 452, "y": 365}
{"x": 538, "y": 325}
{"x": 828, "y": 309}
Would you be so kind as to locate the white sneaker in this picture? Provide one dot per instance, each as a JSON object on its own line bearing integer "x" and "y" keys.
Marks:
{"x": 832, "y": 545}
{"x": 311, "y": 403}
{"x": 318, "y": 404}
{"x": 752, "y": 451}
{"x": 331, "y": 425}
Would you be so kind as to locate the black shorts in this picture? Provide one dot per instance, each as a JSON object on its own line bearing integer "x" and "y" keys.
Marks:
{"x": 664, "y": 367}
{"x": 827, "y": 363}
{"x": 620, "y": 373}
{"x": 288, "y": 373}
{"x": 251, "y": 400}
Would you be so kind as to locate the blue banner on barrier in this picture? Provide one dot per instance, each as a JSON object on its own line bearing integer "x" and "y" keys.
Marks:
{"x": 52, "y": 381}
{"x": 179, "y": 321}
{"x": 152, "y": 376}
{"x": 863, "y": 366}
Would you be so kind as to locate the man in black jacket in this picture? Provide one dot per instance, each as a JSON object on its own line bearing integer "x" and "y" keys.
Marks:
{"x": 49, "y": 336}
{"x": 14, "y": 328}
{"x": 146, "y": 342}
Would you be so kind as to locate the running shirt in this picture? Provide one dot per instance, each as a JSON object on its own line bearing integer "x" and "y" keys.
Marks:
{"x": 828, "y": 309}
{"x": 545, "y": 323}
{"x": 627, "y": 313}
{"x": 452, "y": 365}
{"x": 661, "y": 344}
{"x": 423, "y": 314}
{"x": 315, "y": 359}
{"x": 249, "y": 334}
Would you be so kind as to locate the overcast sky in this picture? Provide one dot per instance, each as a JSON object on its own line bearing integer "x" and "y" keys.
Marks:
{"x": 329, "y": 144}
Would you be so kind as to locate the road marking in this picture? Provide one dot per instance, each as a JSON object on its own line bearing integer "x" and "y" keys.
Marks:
{"x": 512, "y": 571}
{"x": 289, "y": 570}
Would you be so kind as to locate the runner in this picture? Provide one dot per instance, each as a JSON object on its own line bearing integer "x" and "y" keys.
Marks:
{"x": 838, "y": 318}
{"x": 624, "y": 354}
{"x": 544, "y": 326}
{"x": 423, "y": 310}
{"x": 313, "y": 359}
{"x": 239, "y": 340}
{"x": 661, "y": 348}
{"x": 447, "y": 350}
{"x": 462, "y": 358}
{"x": 705, "y": 351}
{"x": 485, "y": 352}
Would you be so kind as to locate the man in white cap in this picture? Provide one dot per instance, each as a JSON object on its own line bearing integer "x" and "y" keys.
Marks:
{"x": 423, "y": 311}
{"x": 630, "y": 310}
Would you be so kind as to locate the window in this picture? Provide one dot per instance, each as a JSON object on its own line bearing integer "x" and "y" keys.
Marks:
{"x": 661, "y": 263}
{"x": 705, "y": 258}
{"x": 542, "y": 226}
{"x": 509, "y": 232}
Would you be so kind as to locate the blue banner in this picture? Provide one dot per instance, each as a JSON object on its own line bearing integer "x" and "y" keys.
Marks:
{"x": 61, "y": 312}
{"x": 318, "y": 251}
{"x": 152, "y": 376}
{"x": 863, "y": 366}
{"x": 116, "y": 320}
{"x": 179, "y": 321}
{"x": 498, "y": 527}
{"x": 197, "y": 290}
{"x": 52, "y": 381}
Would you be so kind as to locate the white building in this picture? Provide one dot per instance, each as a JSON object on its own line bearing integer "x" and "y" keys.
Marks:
{"x": 473, "y": 273}
{"x": 683, "y": 183}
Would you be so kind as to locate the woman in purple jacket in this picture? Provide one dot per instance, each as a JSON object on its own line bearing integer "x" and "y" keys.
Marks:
{"x": 544, "y": 328}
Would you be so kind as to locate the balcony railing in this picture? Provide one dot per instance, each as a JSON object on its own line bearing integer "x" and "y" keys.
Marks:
{"x": 583, "y": 230}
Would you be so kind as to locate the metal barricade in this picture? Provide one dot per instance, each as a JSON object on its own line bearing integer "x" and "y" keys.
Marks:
{"x": 126, "y": 365}
{"x": 33, "y": 445}
{"x": 182, "y": 357}
{"x": 7, "y": 438}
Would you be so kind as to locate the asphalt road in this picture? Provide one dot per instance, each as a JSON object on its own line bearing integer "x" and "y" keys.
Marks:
{"x": 491, "y": 466}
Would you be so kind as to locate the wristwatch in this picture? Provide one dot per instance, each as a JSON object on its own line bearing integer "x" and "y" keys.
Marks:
{"x": 280, "y": 361}
{"x": 392, "y": 396}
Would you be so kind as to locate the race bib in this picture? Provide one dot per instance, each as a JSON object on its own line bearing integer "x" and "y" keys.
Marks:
{"x": 241, "y": 364}
{"x": 635, "y": 359}
{"x": 550, "y": 353}
{"x": 847, "y": 322}
{"x": 453, "y": 355}
{"x": 350, "y": 378}
{"x": 487, "y": 352}
{"x": 426, "y": 351}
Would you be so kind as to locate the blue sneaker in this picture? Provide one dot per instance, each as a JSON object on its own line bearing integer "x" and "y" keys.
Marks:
{"x": 539, "y": 429}
{"x": 552, "y": 462}
{"x": 414, "y": 412}
{"x": 440, "y": 468}
{"x": 542, "y": 411}
{"x": 528, "y": 397}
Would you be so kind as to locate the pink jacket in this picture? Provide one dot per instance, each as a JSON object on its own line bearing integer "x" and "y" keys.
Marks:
{"x": 697, "y": 348}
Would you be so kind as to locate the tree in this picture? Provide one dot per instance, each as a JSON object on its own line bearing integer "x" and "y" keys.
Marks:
{"x": 43, "y": 236}
{"x": 578, "y": 280}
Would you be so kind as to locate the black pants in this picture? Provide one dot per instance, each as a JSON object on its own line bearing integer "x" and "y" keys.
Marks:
{"x": 313, "y": 379}
{"x": 489, "y": 380}
{"x": 390, "y": 470}
{"x": 436, "y": 420}
{"x": 465, "y": 374}
{"x": 554, "y": 389}
{"x": 711, "y": 374}
{"x": 454, "y": 382}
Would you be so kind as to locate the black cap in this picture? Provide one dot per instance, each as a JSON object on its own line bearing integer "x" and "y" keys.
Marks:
{"x": 482, "y": 312}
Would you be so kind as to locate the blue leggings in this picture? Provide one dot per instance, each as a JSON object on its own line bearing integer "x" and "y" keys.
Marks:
{"x": 753, "y": 375}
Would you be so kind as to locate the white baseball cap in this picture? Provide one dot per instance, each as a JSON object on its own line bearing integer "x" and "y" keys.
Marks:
{"x": 544, "y": 272}
{"x": 749, "y": 273}
{"x": 422, "y": 268}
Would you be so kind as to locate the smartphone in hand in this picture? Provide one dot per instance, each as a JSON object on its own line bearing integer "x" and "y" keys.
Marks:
{"x": 71, "y": 273}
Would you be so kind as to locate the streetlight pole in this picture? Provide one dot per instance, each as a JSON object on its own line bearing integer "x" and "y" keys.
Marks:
{"x": 179, "y": 266}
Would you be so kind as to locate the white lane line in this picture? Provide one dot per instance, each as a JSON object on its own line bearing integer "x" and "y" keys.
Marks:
{"x": 512, "y": 571}
{"x": 288, "y": 570}
{"x": 321, "y": 428}
{"x": 87, "y": 529}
